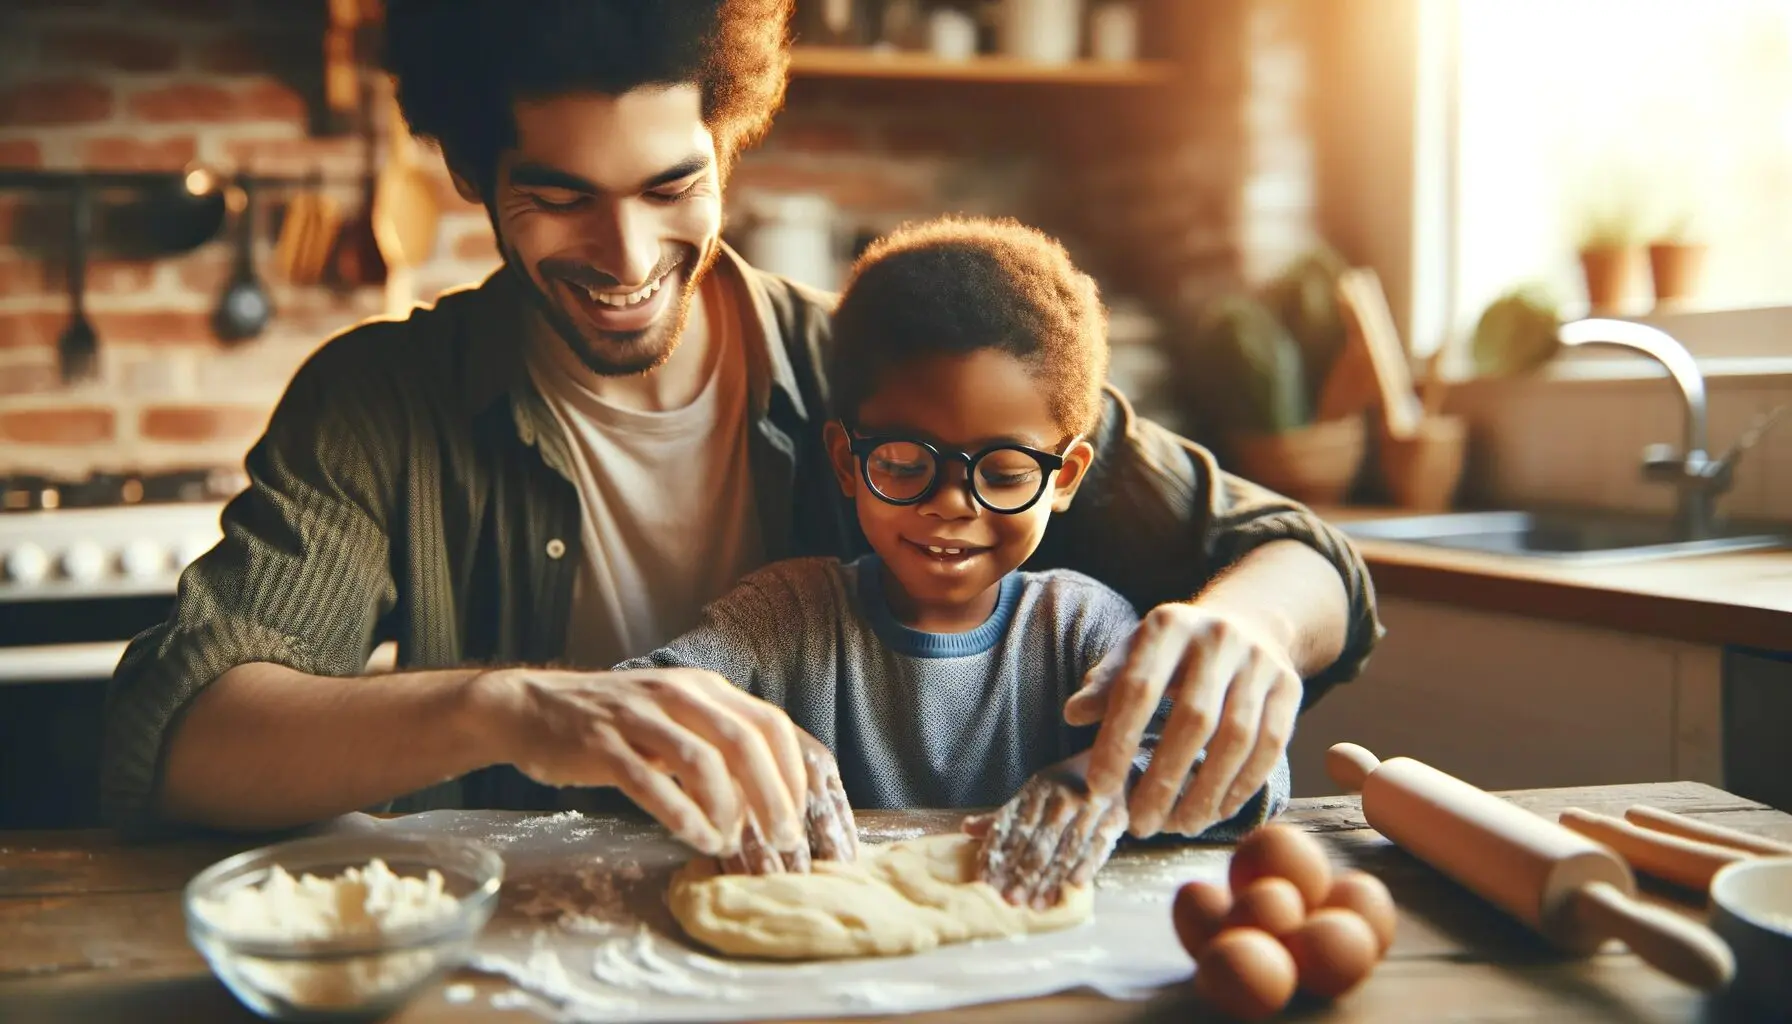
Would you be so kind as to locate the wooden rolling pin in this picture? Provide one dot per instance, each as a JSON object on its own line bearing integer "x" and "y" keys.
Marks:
{"x": 1570, "y": 890}
{"x": 1677, "y": 859}
{"x": 1706, "y": 832}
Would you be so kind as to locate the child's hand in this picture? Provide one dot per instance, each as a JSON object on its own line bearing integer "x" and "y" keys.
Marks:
{"x": 833, "y": 835}
{"x": 831, "y": 831}
{"x": 1053, "y": 833}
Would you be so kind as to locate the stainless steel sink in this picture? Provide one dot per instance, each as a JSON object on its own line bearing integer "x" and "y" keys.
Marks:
{"x": 1567, "y": 535}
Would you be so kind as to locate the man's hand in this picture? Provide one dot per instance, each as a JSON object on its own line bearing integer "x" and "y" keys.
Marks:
{"x": 694, "y": 751}
{"x": 832, "y": 833}
{"x": 1052, "y": 834}
{"x": 1235, "y": 693}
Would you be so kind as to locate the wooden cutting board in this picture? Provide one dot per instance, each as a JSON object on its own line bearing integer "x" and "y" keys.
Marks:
{"x": 1372, "y": 371}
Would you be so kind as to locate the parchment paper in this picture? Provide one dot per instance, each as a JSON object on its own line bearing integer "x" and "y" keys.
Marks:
{"x": 583, "y": 928}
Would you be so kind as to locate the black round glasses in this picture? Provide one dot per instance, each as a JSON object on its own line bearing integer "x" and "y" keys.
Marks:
{"x": 1005, "y": 478}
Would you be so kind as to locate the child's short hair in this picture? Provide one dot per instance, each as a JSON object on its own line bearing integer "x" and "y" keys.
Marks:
{"x": 957, "y": 285}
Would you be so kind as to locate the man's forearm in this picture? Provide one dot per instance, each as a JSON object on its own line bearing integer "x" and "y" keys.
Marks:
{"x": 268, "y": 747}
{"x": 1294, "y": 594}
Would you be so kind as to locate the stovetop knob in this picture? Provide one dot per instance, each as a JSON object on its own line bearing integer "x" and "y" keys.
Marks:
{"x": 27, "y": 563}
{"x": 84, "y": 562}
{"x": 143, "y": 559}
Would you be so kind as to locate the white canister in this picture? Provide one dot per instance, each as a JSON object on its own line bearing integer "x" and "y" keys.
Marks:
{"x": 951, "y": 34}
{"x": 1114, "y": 31}
{"x": 1044, "y": 31}
{"x": 792, "y": 233}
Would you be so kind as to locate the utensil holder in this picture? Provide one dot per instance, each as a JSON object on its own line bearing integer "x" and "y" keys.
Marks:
{"x": 1314, "y": 465}
{"x": 1423, "y": 471}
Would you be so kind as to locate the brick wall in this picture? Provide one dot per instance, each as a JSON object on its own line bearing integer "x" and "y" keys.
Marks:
{"x": 1210, "y": 183}
{"x": 1148, "y": 187}
{"x": 150, "y": 85}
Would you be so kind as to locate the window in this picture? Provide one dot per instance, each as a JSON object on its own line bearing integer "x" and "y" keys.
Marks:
{"x": 1654, "y": 113}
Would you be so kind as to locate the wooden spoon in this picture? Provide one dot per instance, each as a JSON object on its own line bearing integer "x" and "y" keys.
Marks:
{"x": 355, "y": 261}
{"x": 294, "y": 240}
{"x": 405, "y": 213}
{"x": 1435, "y": 389}
{"x": 1366, "y": 314}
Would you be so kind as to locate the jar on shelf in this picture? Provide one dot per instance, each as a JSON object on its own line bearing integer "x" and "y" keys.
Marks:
{"x": 1114, "y": 31}
{"x": 1044, "y": 31}
{"x": 836, "y": 23}
{"x": 793, "y": 234}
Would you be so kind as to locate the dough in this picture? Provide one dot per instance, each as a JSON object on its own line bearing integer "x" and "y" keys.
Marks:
{"x": 899, "y": 898}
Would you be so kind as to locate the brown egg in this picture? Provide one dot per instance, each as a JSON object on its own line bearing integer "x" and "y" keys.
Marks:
{"x": 1281, "y": 851}
{"x": 1272, "y": 904}
{"x": 1245, "y": 974}
{"x": 1333, "y": 952}
{"x": 1364, "y": 894}
{"x": 1198, "y": 910}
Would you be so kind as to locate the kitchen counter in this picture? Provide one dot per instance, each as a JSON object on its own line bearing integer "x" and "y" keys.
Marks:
{"x": 91, "y": 929}
{"x": 1738, "y": 598}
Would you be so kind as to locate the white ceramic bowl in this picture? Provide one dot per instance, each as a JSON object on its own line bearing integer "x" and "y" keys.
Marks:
{"x": 365, "y": 976}
{"x": 1751, "y": 908}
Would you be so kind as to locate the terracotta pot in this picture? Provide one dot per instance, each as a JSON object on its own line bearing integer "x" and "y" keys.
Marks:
{"x": 1423, "y": 471}
{"x": 1675, "y": 268}
{"x": 1608, "y": 270}
{"x": 1314, "y": 465}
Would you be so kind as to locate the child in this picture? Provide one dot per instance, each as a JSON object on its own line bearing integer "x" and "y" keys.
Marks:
{"x": 967, "y": 368}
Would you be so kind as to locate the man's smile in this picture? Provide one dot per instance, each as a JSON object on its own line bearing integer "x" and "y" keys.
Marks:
{"x": 624, "y": 310}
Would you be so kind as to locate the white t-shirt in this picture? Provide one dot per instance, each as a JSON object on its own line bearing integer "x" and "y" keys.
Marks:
{"x": 668, "y": 517}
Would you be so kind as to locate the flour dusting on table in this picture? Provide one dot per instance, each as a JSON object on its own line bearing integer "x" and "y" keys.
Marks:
{"x": 584, "y": 934}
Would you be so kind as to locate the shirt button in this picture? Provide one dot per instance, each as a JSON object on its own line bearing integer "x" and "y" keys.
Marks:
{"x": 556, "y": 548}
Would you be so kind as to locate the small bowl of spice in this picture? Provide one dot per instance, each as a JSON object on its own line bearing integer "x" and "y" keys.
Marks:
{"x": 341, "y": 927}
{"x": 1751, "y": 908}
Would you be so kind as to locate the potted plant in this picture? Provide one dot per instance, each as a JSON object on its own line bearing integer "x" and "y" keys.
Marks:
{"x": 1250, "y": 373}
{"x": 1676, "y": 261}
{"x": 1610, "y": 259}
{"x": 1516, "y": 333}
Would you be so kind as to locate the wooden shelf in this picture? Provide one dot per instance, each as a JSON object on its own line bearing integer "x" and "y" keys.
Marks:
{"x": 853, "y": 62}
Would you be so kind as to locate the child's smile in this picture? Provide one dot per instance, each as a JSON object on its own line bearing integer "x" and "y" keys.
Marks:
{"x": 947, "y": 555}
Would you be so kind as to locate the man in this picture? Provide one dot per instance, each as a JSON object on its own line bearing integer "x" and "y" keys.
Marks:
{"x": 551, "y": 472}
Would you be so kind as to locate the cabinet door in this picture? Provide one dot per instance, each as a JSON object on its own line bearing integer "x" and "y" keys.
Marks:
{"x": 1507, "y": 702}
{"x": 1757, "y": 717}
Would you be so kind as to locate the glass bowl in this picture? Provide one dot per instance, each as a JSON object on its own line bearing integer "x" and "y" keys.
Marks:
{"x": 362, "y": 976}
{"x": 1751, "y": 908}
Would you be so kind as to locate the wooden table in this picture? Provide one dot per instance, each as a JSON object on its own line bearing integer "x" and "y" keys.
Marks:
{"x": 91, "y": 930}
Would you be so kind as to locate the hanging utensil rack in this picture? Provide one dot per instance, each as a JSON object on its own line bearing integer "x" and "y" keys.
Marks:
{"x": 55, "y": 180}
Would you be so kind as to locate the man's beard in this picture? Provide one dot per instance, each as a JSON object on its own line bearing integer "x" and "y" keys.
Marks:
{"x": 619, "y": 353}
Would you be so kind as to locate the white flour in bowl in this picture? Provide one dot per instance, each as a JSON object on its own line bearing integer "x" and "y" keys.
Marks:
{"x": 359, "y": 902}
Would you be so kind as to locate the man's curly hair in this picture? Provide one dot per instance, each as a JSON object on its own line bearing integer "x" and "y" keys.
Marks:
{"x": 460, "y": 65}
{"x": 955, "y": 285}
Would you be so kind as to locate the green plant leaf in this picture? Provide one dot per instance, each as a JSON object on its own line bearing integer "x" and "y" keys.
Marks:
{"x": 1516, "y": 333}
{"x": 1248, "y": 367}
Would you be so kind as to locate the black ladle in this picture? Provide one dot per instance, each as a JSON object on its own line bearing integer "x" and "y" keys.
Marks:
{"x": 78, "y": 349}
{"x": 245, "y": 308}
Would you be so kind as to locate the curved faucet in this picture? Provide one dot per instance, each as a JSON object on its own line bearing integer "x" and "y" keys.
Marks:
{"x": 1660, "y": 346}
{"x": 1694, "y": 473}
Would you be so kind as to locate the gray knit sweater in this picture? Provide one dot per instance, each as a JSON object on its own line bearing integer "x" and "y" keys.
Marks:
{"x": 923, "y": 719}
